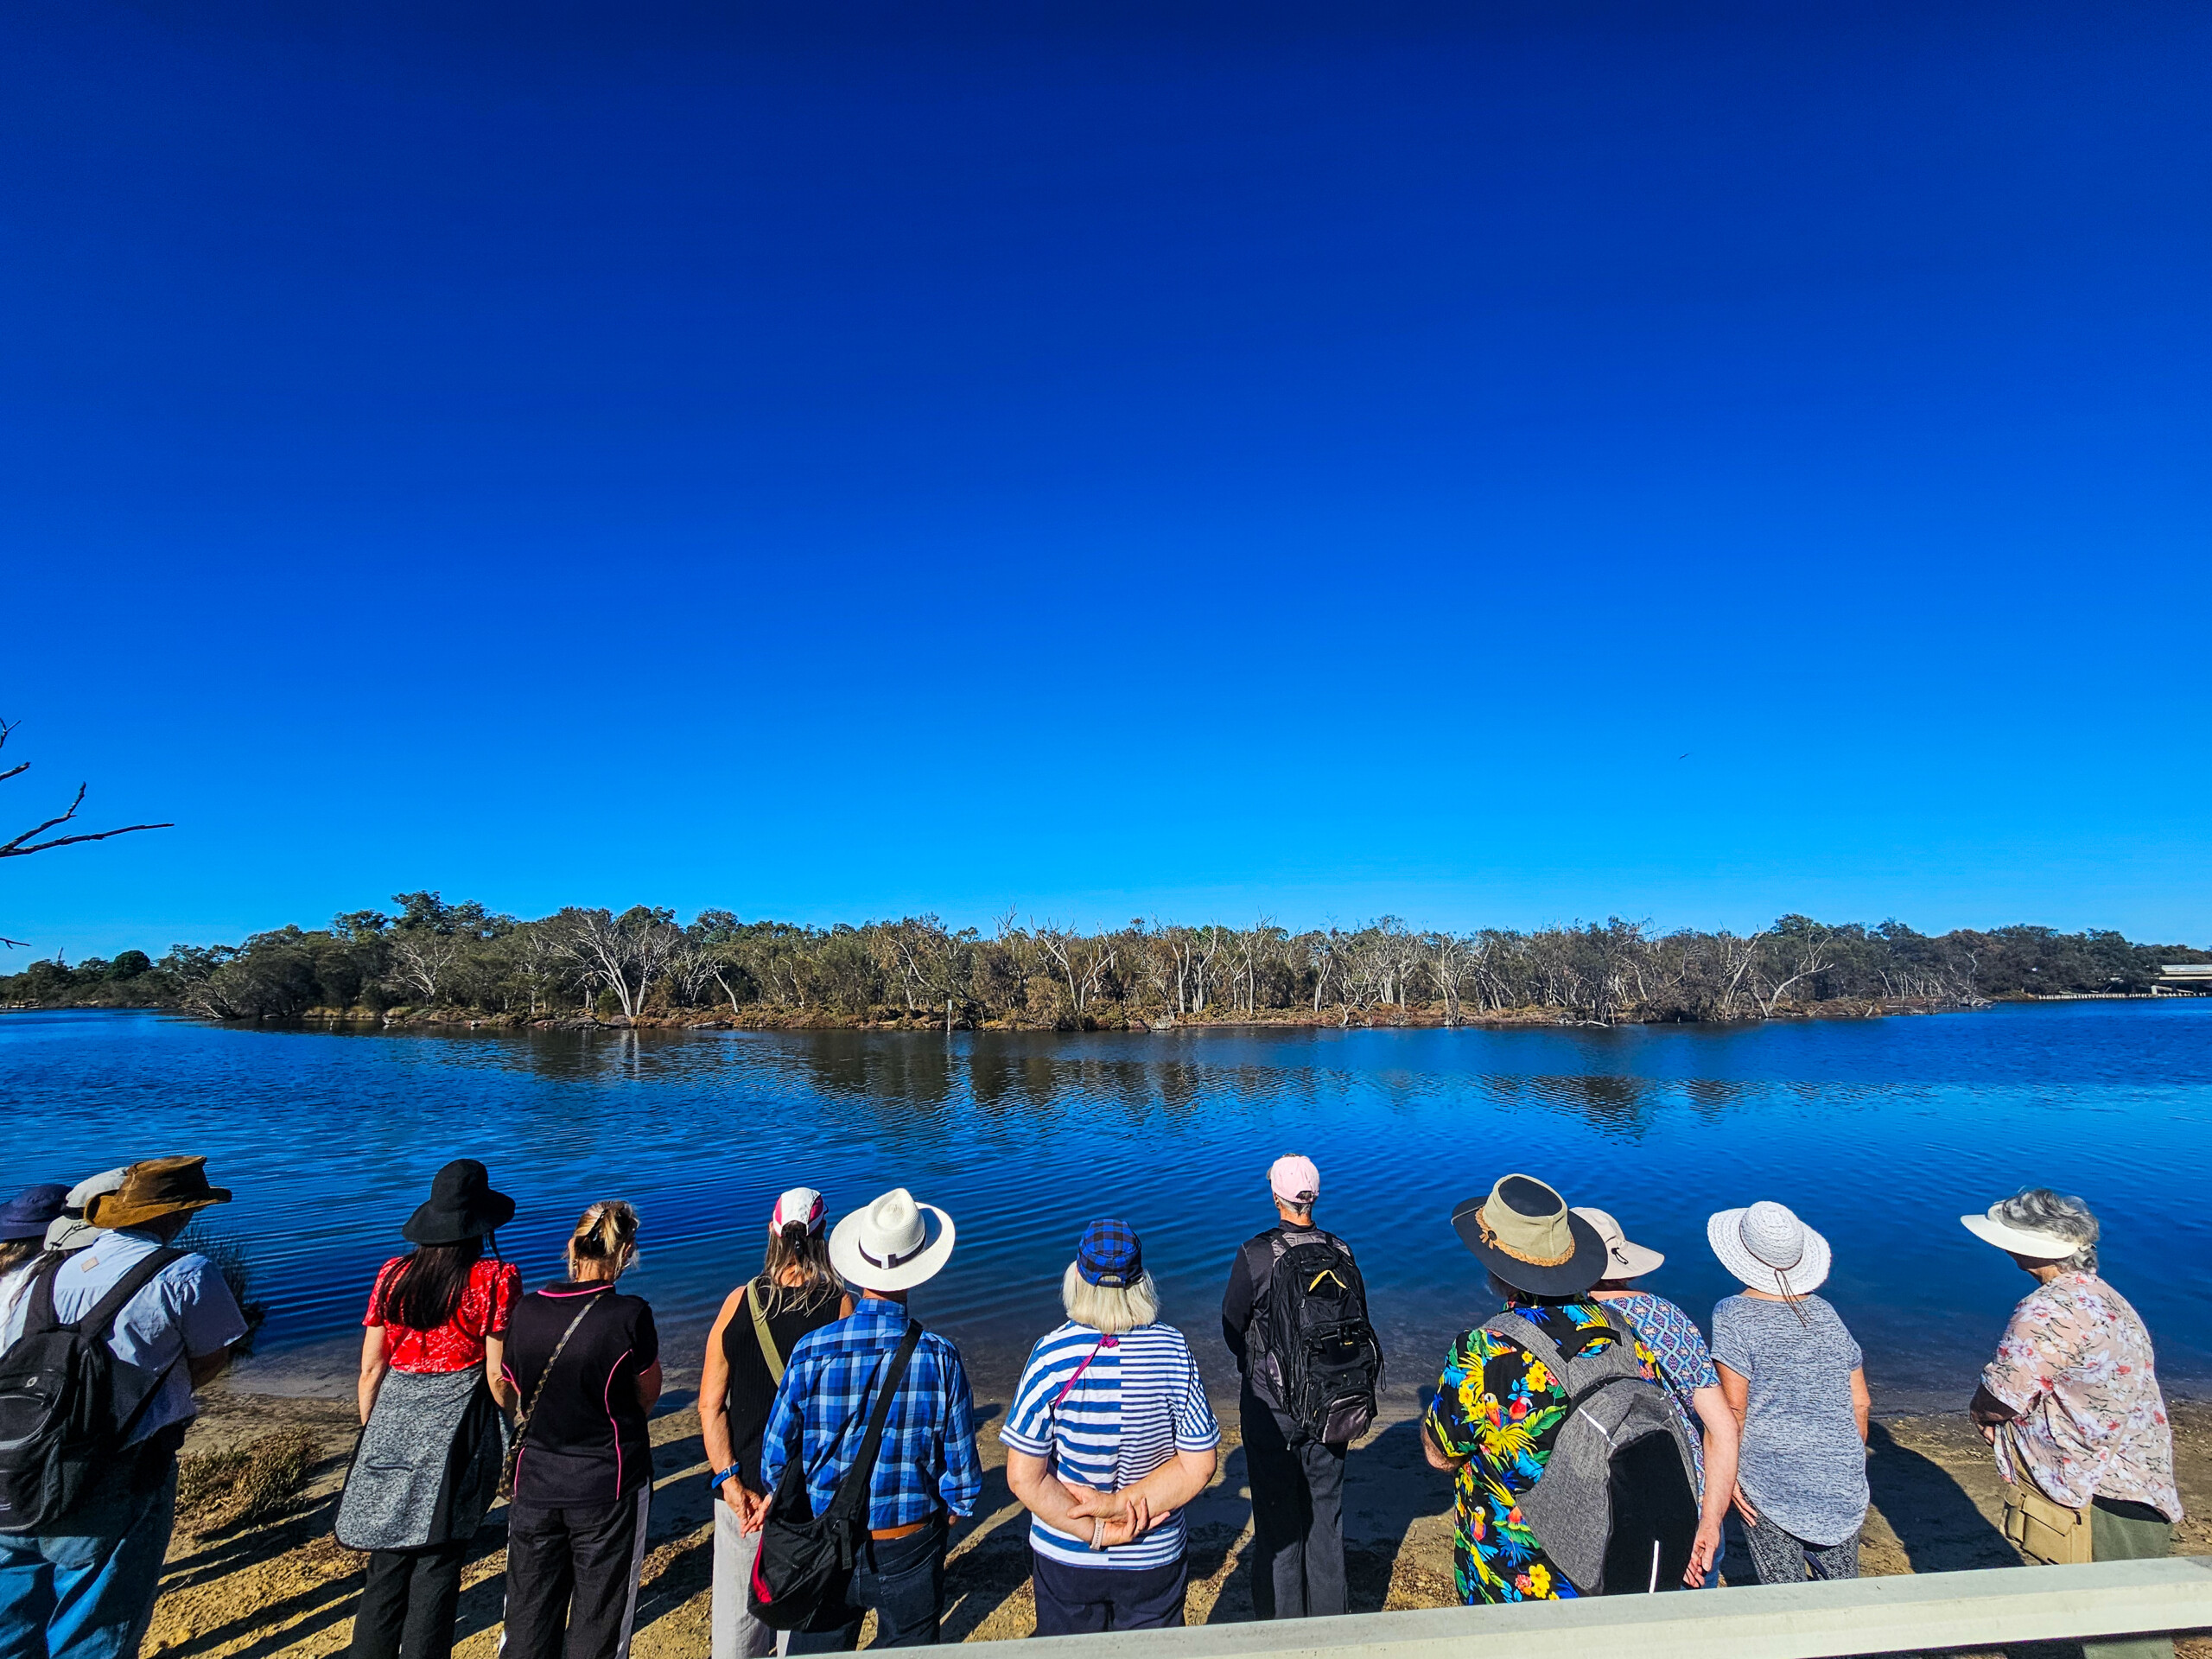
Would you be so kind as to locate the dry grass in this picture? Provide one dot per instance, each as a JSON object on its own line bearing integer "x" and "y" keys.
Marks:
{"x": 249, "y": 1483}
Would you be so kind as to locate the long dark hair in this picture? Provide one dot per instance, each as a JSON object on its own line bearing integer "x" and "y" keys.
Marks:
{"x": 429, "y": 1284}
{"x": 16, "y": 1251}
{"x": 809, "y": 1252}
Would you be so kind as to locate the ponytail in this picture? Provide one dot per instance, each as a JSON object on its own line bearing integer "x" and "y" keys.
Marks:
{"x": 608, "y": 1236}
{"x": 808, "y": 1252}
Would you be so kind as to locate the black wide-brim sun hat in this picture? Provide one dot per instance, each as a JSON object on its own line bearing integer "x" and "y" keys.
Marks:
{"x": 461, "y": 1206}
{"x": 1523, "y": 1232}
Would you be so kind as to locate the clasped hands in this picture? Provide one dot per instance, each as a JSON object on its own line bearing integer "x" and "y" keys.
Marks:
{"x": 1127, "y": 1516}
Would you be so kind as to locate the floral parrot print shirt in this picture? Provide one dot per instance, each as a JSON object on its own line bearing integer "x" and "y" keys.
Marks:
{"x": 1500, "y": 1408}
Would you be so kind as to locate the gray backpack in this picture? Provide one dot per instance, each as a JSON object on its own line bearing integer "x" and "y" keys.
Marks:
{"x": 1615, "y": 1508}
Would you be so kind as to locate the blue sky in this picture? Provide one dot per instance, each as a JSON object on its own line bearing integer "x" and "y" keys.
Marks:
{"x": 1493, "y": 464}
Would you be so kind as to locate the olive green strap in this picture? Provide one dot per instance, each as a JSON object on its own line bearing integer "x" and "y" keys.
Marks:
{"x": 767, "y": 1342}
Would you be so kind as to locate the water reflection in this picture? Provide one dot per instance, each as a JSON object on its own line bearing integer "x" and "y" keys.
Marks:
{"x": 1881, "y": 1130}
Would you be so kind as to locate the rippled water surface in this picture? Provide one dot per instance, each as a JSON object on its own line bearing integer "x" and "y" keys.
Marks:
{"x": 1879, "y": 1132}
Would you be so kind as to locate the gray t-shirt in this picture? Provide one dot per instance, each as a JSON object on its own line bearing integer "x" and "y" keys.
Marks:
{"x": 1804, "y": 1464}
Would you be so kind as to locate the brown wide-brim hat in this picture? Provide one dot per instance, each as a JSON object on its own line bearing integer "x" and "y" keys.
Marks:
{"x": 1524, "y": 1233}
{"x": 155, "y": 1188}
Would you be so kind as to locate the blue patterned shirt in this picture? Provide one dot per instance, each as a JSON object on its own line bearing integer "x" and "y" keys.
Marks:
{"x": 928, "y": 1460}
{"x": 1685, "y": 1363}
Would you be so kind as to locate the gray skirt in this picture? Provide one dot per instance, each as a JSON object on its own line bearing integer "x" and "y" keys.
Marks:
{"x": 427, "y": 1468}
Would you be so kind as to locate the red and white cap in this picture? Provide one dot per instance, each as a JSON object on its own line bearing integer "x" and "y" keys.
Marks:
{"x": 800, "y": 1204}
{"x": 1293, "y": 1178}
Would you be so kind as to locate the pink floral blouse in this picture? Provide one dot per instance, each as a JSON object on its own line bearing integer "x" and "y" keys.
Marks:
{"x": 2076, "y": 1364}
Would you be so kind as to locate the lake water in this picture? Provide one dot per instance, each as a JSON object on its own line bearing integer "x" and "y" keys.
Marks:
{"x": 1879, "y": 1132}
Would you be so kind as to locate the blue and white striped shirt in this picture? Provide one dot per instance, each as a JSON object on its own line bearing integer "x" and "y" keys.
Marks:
{"x": 1138, "y": 1403}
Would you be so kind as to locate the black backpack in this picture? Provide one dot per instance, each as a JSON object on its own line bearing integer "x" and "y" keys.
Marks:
{"x": 1315, "y": 1356}
{"x": 803, "y": 1556}
{"x": 66, "y": 1403}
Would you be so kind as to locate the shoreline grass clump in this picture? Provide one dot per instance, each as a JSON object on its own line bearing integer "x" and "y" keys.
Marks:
{"x": 217, "y": 1490}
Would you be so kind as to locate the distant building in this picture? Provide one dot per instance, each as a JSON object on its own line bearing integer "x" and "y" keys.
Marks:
{"x": 2183, "y": 979}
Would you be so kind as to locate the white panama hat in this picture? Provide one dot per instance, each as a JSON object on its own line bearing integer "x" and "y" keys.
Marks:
{"x": 1623, "y": 1259}
{"x": 1770, "y": 1249}
{"x": 2036, "y": 1247}
{"x": 887, "y": 1245}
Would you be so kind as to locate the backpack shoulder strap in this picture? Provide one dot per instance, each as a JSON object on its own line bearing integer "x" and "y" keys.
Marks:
{"x": 853, "y": 1490}
{"x": 105, "y": 1311}
{"x": 38, "y": 1298}
{"x": 1519, "y": 1329}
{"x": 761, "y": 1334}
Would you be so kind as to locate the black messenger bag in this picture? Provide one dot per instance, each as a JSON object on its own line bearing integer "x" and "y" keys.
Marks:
{"x": 803, "y": 1556}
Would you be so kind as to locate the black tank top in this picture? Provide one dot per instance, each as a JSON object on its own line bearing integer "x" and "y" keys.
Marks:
{"x": 752, "y": 1390}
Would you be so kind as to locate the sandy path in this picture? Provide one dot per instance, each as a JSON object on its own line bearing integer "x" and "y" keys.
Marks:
{"x": 285, "y": 1587}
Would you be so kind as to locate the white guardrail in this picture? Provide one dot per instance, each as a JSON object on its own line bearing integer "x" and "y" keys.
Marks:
{"x": 1911, "y": 1612}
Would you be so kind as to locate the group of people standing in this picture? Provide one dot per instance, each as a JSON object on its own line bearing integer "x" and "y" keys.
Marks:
{"x": 1597, "y": 1440}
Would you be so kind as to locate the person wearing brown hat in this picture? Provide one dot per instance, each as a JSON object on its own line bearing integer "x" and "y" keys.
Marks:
{"x": 1502, "y": 1399}
{"x": 89, "y": 1587}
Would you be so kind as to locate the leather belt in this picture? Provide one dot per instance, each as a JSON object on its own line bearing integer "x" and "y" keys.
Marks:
{"x": 880, "y": 1534}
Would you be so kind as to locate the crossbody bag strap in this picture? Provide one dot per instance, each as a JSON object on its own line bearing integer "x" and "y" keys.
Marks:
{"x": 761, "y": 1334}
{"x": 522, "y": 1422}
{"x": 852, "y": 1491}
{"x": 1076, "y": 1375}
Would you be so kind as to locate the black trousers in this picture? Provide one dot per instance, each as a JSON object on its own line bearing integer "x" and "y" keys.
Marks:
{"x": 572, "y": 1578}
{"x": 1298, "y": 1522}
{"x": 408, "y": 1605}
{"x": 901, "y": 1579}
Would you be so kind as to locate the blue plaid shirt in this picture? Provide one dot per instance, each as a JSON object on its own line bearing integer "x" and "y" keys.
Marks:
{"x": 928, "y": 1460}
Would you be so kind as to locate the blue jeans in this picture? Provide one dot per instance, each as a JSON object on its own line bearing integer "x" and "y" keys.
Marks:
{"x": 88, "y": 1593}
{"x": 902, "y": 1579}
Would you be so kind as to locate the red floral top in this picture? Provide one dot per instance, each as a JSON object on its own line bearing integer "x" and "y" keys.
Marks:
{"x": 458, "y": 1342}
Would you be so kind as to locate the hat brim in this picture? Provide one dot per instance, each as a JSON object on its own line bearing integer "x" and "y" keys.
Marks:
{"x": 109, "y": 1210}
{"x": 435, "y": 1223}
{"x": 1724, "y": 1232}
{"x": 2039, "y": 1247}
{"x": 1569, "y": 1278}
{"x": 856, "y": 1269}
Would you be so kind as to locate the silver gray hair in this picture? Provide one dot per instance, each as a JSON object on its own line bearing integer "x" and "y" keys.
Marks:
{"x": 1111, "y": 1309}
{"x": 2039, "y": 1210}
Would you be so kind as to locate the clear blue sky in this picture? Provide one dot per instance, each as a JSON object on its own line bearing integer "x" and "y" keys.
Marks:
{"x": 1109, "y": 460}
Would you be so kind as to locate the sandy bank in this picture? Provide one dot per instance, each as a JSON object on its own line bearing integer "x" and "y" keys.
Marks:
{"x": 283, "y": 1587}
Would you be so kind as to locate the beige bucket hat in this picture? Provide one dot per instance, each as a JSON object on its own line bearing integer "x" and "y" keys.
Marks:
{"x": 1623, "y": 1259}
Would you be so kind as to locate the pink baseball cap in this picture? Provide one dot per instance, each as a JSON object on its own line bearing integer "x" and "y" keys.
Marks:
{"x": 1293, "y": 1179}
{"x": 800, "y": 1204}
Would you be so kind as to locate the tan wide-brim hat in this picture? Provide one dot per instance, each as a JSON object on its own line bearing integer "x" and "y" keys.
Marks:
{"x": 1523, "y": 1232}
{"x": 2036, "y": 1247}
{"x": 1623, "y": 1259}
{"x": 894, "y": 1243}
{"x": 155, "y": 1188}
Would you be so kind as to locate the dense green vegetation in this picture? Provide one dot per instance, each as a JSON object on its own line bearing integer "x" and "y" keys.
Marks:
{"x": 461, "y": 960}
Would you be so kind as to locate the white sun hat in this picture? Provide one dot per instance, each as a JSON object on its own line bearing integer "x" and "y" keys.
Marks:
{"x": 2036, "y": 1247}
{"x": 888, "y": 1246}
{"x": 1623, "y": 1259}
{"x": 1770, "y": 1249}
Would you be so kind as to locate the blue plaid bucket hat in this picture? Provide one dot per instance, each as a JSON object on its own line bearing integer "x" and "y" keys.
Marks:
{"x": 1108, "y": 1254}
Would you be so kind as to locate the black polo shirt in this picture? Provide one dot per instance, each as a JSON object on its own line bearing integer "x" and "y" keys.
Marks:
{"x": 587, "y": 1441}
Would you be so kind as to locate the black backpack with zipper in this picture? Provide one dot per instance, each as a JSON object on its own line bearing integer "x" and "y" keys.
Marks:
{"x": 67, "y": 1403}
{"x": 1315, "y": 1356}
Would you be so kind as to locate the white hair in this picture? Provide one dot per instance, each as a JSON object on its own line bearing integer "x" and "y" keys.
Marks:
{"x": 2039, "y": 1210}
{"x": 1109, "y": 1308}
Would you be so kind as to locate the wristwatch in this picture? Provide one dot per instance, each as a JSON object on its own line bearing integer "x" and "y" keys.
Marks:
{"x": 721, "y": 1475}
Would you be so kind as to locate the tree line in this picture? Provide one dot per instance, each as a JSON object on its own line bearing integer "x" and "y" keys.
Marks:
{"x": 427, "y": 957}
